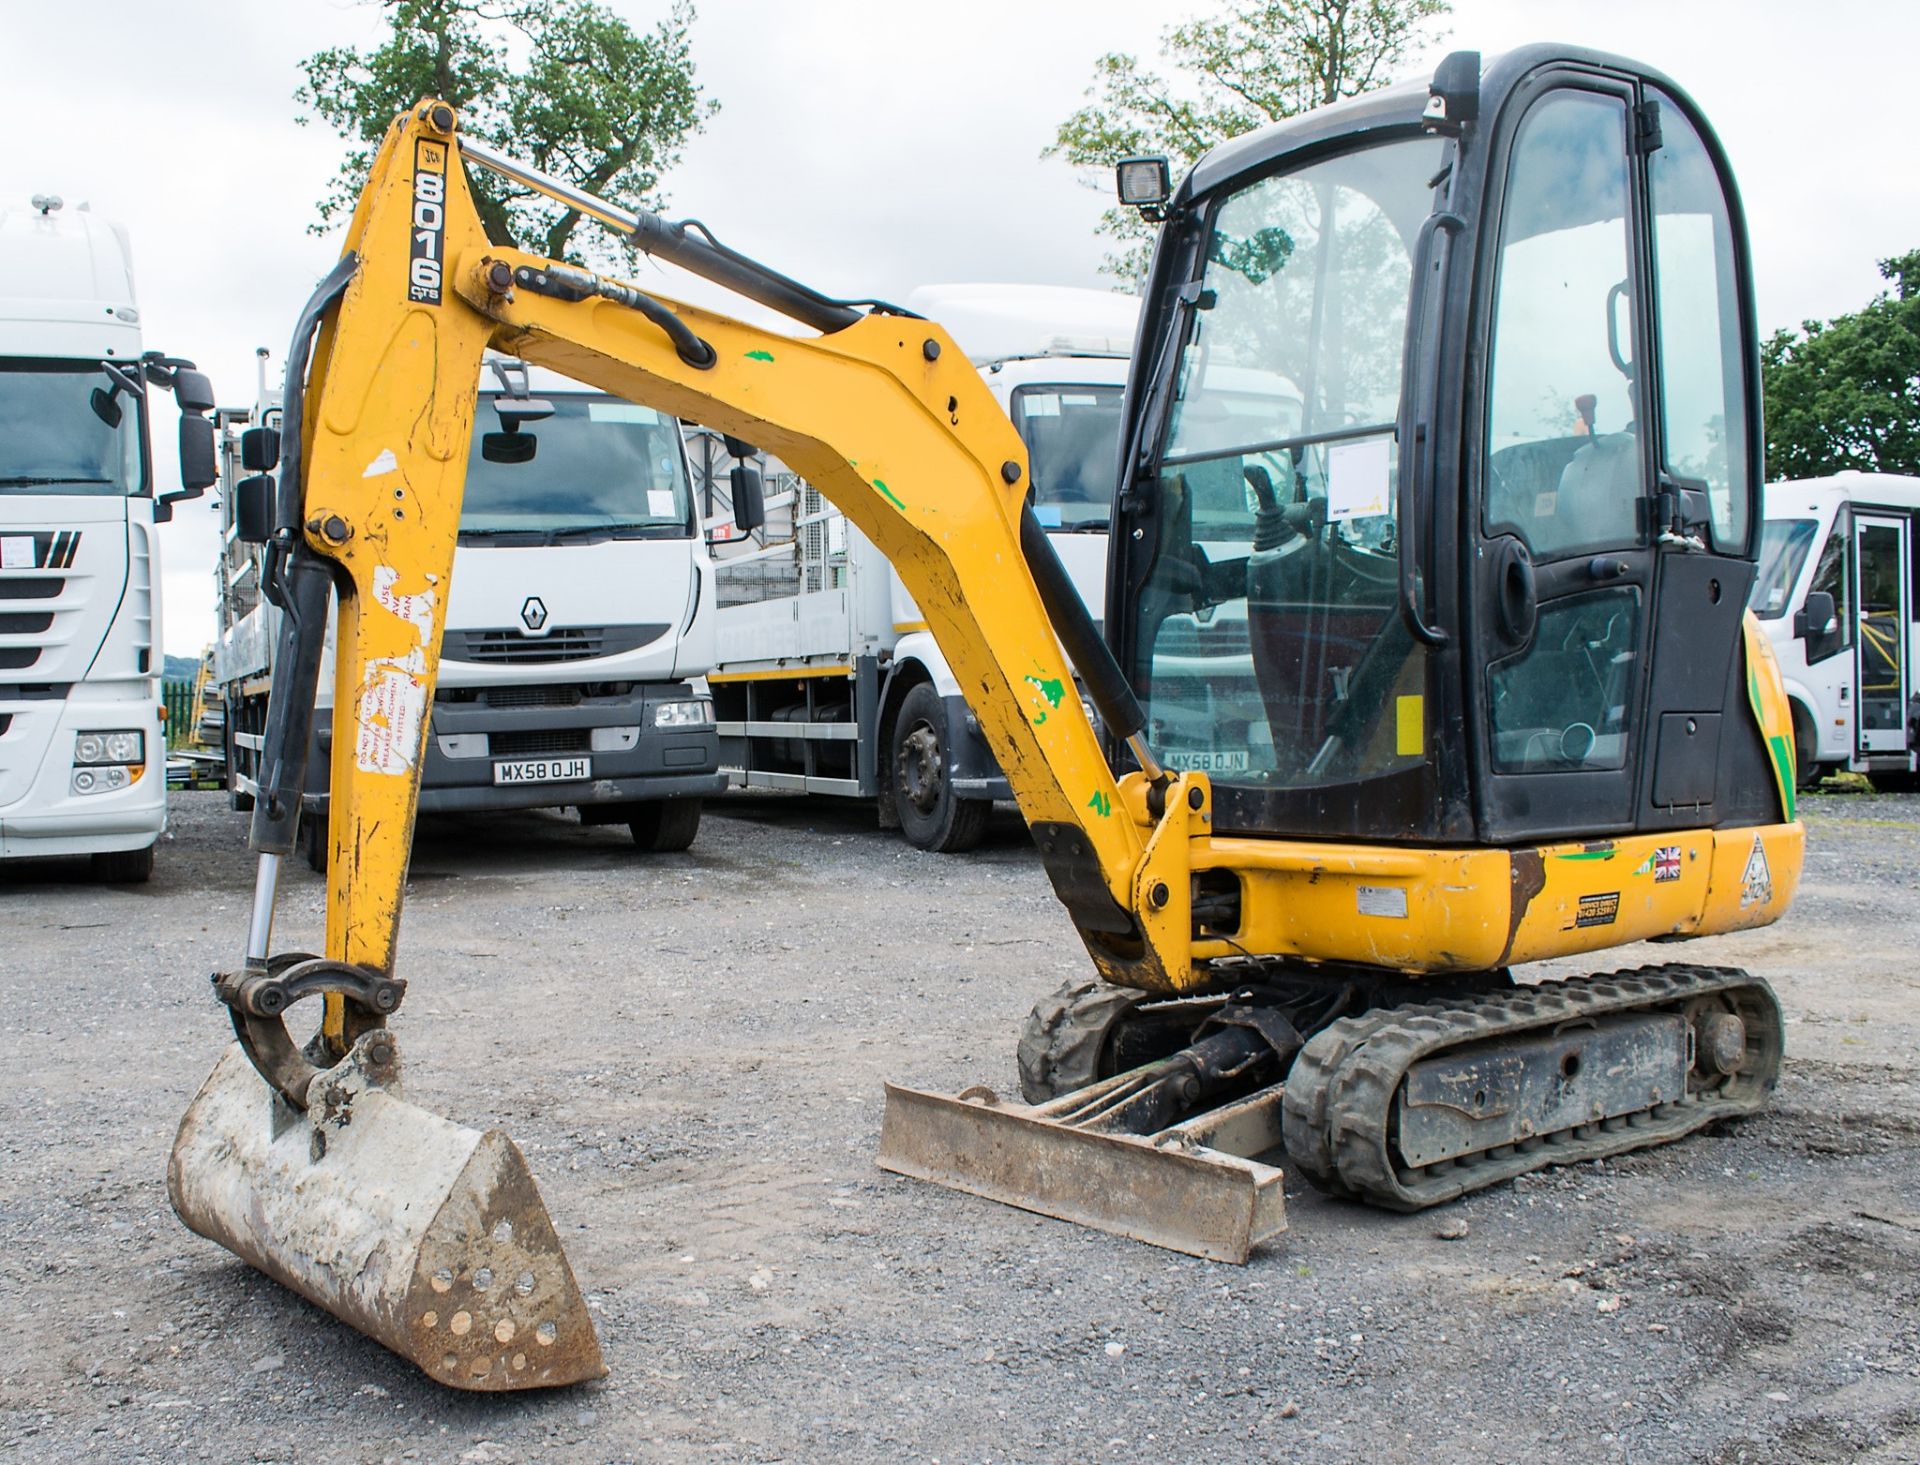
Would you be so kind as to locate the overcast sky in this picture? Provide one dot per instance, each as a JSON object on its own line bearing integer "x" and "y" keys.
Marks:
{"x": 866, "y": 146}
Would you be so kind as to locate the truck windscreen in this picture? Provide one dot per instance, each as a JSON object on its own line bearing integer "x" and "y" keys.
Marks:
{"x": 597, "y": 468}
{"x": 1073, "y": 438}
{"x": 59, "y": 435}
{"x": 1783, "y": 550}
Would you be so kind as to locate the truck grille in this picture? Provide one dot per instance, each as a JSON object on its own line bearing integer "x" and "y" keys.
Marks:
{"x": 20, "y": 622}
{"x": 507, "y": 646}
{"x": 526, "y": 744}
{"x": 531, "y": 696}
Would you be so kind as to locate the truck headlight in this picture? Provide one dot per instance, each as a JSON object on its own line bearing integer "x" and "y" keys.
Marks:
{"x": 127, "y": 746}
{"x": 683, "y": 714}
{"x": 103, "y": 780}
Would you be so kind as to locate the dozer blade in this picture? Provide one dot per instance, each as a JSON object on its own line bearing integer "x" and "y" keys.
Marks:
{"x": 1189, "y": 1188}
{"x": 421, "y": 1233}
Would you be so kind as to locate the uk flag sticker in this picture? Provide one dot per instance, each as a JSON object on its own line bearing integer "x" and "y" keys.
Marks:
{"x": 1666, "y": 863}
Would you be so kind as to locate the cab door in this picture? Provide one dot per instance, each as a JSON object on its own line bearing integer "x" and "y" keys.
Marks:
{"x": 1610, "y": 558}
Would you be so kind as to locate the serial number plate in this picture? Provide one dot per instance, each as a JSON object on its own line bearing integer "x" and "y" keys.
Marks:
{"x": 543, "y": 770}
{"x": 1217, "y": 761}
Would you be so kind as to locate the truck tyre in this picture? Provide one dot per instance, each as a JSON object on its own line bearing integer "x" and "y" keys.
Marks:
{"x": 1807, "y": 771}
{"x": 237, "y": 800}
{"x": 932, "y": 816}
{"x": 312, "y": 840}
{"x": 124, "y": 866}
{"x": 662, "y": 826}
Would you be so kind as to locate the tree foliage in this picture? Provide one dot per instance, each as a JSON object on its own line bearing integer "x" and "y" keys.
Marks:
{"x": 565, "y": 84}
{"x": 1845, "y": 393}
{"x": 1257, "y": 62}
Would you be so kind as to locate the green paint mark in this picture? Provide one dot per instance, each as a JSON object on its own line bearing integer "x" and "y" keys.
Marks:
{"x": 1100, "y": 804}
{"x": 1052, "y": 688}
{"x": 1040, "y": 720}
{"x": 1781, "y": 748}
{"x": 892, "y": 497}
{"x": 759, "y": 356}
{"x": 1783, "y": 771}
{"x": 1587, "y": 854}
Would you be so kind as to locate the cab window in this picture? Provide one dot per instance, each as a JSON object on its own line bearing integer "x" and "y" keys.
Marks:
{"x": 1697, "y": 316}
{"x": 1564, "y": 461}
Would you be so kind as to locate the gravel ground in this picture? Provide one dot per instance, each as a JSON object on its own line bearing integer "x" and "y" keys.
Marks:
{"x": 690, "y": 1050}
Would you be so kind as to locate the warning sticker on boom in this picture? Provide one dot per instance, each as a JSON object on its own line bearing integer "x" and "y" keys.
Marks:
{"x": 428, "y": 267}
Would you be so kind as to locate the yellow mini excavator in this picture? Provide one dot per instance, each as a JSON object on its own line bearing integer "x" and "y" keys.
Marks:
{"x": 1424, "y": 657}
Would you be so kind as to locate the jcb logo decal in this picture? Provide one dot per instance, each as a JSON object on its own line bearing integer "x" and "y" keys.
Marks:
{"x": 429, "y": 222}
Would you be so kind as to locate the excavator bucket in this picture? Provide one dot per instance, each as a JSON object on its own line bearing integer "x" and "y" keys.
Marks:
{"x": 426, "y": 1235}
{"x": 1191, "y": 1187}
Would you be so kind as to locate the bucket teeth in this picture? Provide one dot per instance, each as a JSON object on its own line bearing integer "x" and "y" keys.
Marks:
{"x": 426, "y": 1235}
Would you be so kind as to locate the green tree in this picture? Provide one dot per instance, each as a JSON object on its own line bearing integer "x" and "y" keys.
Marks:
{"x": 1260, "y": 61}
{"x": 1845, "y": 393}
{"x": 567, "y": 85}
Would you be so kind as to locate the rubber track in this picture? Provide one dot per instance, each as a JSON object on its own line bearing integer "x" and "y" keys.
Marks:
{"x": 1303, "y": 1105}
{"x": 1340, "y": 1092}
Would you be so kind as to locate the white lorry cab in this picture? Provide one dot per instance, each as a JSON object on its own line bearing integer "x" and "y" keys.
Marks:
{"x": 581, "y": 611}
{"x": 82, "y": 750}
{"x": 828, "y": 680}
{"x": 1836, "y": 592}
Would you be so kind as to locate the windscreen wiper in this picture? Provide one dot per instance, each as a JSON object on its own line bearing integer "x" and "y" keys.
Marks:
{"x": 25, "y": 482}
{"x": 618, "y": 531}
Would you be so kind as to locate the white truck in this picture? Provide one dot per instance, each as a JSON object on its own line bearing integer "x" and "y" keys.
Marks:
{"x": 1838, "y": 592}
{"x": 582, "y": 609}
{"x": 828, "y": 680}
{"x": 82, "y": 755}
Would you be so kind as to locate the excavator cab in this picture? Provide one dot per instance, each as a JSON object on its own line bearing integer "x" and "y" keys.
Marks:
{"x": 1437, "y": 516}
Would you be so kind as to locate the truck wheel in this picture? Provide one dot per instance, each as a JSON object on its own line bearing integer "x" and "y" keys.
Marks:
{"x": 1807, "y": 771}
{"x": 664, "y": 825}
{"x": 237, "y": 800}
{"x": 312, "y": 840}
{"x": 932, "y": 816}
{"x": 124, "y": 866}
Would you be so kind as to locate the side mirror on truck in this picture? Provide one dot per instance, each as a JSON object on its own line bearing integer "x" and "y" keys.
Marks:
{"x": 749, "y": 498}
{"x": 260, "y": 449}
{"x": 749, "y": 490}
{"x": 199, "y": 465}
{"x": 199, "y": 454}
{"x": 253, "y": 509}
{"x": 1817, "y": 617}
{"x": 192, "y": 390}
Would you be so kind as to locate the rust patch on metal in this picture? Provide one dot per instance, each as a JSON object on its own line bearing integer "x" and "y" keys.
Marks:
{"x": 1529, "y": 879}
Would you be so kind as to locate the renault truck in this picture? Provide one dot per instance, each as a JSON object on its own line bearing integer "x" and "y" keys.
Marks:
{"x": 581, "y": 611}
